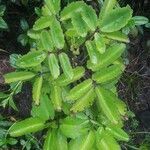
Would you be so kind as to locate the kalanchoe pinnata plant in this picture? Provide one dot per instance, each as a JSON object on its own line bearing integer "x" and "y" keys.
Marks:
{"x": 74, "y": 65}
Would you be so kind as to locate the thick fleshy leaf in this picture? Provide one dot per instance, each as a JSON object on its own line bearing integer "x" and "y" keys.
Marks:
{"x": 90, "y": 17}
{"x": 116, "y": 19}
{"x": 29, "y": 125}
{"x": 71, "y": 9}
{"x": 66, "y": 65}
{"x": 57, "y": 33}
{"x": 118, "y": 36}
{"x": 78, "y": 73}
{"x": 46, "y": 40}
{"x": 140, "y": 20}
{"x": 42, "y": 23}
{"x": 107, "y": 74}
{"x": 45, "y": 110}
{"x": 92, "y": 51}
{"x": 107, "y": 105}
{"x": 53, "y": 6}
{"x": 3, "y": 24}
{"x": 79, "y": 25}
{"x": 73, "y": 127}
{"x": 106, "y": 59}
{"x": 31, "y": 59}
{"x": 18, "y": 76}
{"x": 55, "y": 141}
{"x": 53, "y": 66}
{"x": 83, "y": 143}
{"x": 36, "y": 91}
{"x": 107, "y": 7}
{"x": 56, "y": 97}
{"x": 33, "y": 34}
{"x": 100, "y": 43}
{"x": 117, "y": 133}
{"x": 79, "y": 90}
{"x": 106, "y": 142}
{"x": 121, "y": 106}
{"x": 84, "y": 101}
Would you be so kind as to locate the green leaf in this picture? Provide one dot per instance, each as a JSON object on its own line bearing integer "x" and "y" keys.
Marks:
{"x": 85, "y": 142}
{"x": 57, "y": 33}
{"x": 71, "y": 9}
{"x": 36, "y": 91}
{"x": 118, "y": 36}
{"x": 23, "y": 39}
{"x": 79, "y": 90}
{"x": 140, "y": 20}
{"x": 66, "y": 65}
{"x": 116, "y": 19}
{"x": 92, "y": 52}
{"x": 33, "y": 34}
{"x": 45, "y": 110}
{"x": 107, "y": 7}
{"x": 2, "y": 10}
{"x": 53, "y": 65}
{"x": 121, "y": 106}
{"x": 56, "y": 97}
{"x": 55, "y": 141}
{"x": 100, "y": 43}
{"x": 32, "y": 59}
{"x": 42, "y": 23}
{"x": 3, "y": 24}
{"x": 53, "y": 6}
{"x": 46, "y": 11}
{"x": 106, "y": 59}
{"x": 29, "y": 125}
{"x": 107, "y": 105}
{"x": 90, "y": 17}
{"x": 117, "y": 132}
{"x": 79, "y": 25}
{"x": 78, "y": 73}
{"x": 24, "y": 24}
{"x": 106, "y": 142}
{"x": 73, "y": 127}
{"x": 46, "y": 40}
{"x": 18, "y": 76}
{"x": 3, "y": 95}
{"x": 84, "y": 101}
{"x": 107, "y": 74}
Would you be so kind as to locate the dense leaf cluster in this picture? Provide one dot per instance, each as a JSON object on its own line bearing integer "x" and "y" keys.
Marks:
{"x": 78, "y": 104}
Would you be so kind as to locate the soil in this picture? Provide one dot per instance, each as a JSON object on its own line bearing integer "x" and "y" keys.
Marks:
{"x": 134, "y": 86}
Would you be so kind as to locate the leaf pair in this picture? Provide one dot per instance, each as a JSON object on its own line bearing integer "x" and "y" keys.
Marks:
{"x": 53, "y": 37}
{"x": 83, "y": 17}
{"x": 110, "y": 105}
{"x": 114, "y": 19}
{"x": 78, "y": 72}
{"x": 65, "y": 64}
{"x": 106, "y": 138}
{"x": 106, "y": 59}
{"x": 107, "y": 74}
{"x": 83, "y": 94}
{"x": 106, "y": 141}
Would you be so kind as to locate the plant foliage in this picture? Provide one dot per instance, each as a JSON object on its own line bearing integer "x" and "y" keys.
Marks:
{"x": 75, "y": 100}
